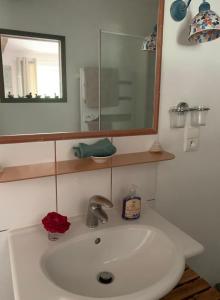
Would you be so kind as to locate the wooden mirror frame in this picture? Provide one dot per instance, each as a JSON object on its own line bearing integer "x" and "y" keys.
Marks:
{"x": 23, "y": 138}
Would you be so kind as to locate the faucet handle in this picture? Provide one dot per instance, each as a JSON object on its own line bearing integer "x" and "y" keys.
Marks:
{"x": 95, "y": 211}
{"x": 101, "y": 201}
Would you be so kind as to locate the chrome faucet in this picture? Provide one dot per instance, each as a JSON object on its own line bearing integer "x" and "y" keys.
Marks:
{"x": 95, "y": 211}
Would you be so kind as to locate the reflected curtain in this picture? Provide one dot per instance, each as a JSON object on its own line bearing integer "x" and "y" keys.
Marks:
{"x": 26, "y": 75}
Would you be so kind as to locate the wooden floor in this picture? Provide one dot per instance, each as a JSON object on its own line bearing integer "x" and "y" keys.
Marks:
{"x": 192, "y": 287}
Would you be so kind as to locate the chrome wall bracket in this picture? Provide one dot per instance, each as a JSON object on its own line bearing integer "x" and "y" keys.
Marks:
{"x": 178, "y": 115}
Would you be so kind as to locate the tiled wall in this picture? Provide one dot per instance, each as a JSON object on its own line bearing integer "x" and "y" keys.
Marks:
{"x": 72, "y": 194}
{"x": 24, "y": 203}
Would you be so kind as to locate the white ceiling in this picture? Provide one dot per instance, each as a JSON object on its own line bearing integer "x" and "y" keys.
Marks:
{"x": 32, "y": 45}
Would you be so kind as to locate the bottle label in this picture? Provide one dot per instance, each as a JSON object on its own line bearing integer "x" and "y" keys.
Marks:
{"x": 133, "y": 208}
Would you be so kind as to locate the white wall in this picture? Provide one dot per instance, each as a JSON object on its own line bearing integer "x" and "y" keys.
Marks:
{"x": 6, "y": 291}
{"x": 189, "y": 187}
{"x": 80, "y": 21}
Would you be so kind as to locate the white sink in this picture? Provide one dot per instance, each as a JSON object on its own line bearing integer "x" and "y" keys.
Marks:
{"x": 145, "y": 258}
{"x": 140, "y": 262}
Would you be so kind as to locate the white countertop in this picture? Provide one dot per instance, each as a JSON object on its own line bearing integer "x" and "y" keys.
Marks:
{"x": 27, "y": 246}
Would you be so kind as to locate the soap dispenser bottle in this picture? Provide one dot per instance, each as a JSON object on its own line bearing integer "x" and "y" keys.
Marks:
{"x": 131, "y": 205}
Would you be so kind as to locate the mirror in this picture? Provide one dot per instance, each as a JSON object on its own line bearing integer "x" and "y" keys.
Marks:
{"x": 111, "y": 80}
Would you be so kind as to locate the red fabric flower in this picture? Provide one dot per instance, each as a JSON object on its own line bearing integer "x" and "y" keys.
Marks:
{"x": 55, "y": 222}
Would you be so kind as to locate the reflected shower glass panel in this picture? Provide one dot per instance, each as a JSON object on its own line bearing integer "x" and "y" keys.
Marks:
{"x": 126, "y": 82}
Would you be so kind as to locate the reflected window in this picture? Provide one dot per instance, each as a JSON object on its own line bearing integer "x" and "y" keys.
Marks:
{"x": 32, "y": 68}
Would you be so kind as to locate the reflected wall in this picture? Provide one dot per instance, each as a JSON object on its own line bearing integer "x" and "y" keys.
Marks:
{"x": 127, "y": 86}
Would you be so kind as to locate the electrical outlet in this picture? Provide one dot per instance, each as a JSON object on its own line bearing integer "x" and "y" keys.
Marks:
{"x": 191, "y": 139}
{"x": 191, "y": 144}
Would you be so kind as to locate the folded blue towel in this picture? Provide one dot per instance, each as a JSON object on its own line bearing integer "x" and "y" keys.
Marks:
{"x": 101, "y": 148}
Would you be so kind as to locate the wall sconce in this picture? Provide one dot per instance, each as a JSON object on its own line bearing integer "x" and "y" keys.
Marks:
{"x": 204, "y": 27}
{"x": 150, "y": 42}
{"x": 178, "y": 115}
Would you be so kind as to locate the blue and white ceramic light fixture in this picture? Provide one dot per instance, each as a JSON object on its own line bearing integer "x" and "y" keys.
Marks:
{"x": 150, "y": 42}
{"x": 205, "y": 26}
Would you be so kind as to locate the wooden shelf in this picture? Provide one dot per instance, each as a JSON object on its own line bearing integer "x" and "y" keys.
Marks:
{"x": 80, "y": 165}
{"x": 27, "y": 172}
{"x": 192, "y": 287}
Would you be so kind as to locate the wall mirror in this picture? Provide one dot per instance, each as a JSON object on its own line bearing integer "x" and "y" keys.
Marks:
{"x": 32, "y": 67}
{"x": 113, "y": 55}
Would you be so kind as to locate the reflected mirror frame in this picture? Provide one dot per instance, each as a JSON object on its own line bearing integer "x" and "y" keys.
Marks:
{"x": 25, "y": 138}
{"x": 18, "y": 33}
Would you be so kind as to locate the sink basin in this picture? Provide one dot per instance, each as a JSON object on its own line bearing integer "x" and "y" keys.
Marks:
{"x": 122, "y": 262}
{"x": 141, "y": 260}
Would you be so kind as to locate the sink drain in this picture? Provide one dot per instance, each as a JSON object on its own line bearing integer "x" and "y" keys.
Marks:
{"x": 105, "y": 277}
